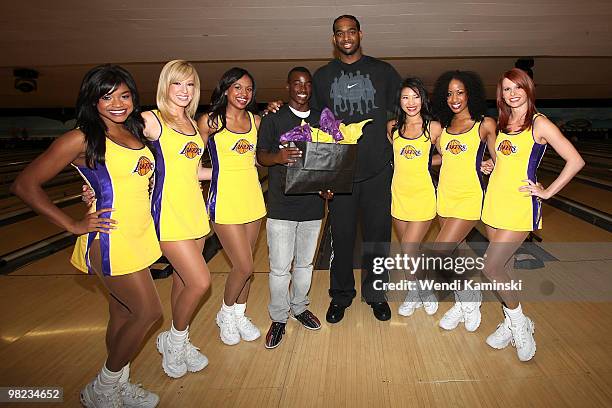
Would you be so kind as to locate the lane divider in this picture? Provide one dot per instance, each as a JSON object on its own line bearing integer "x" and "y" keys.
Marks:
{"x": 591, "y": 215}
{"x": 25, "y": 213}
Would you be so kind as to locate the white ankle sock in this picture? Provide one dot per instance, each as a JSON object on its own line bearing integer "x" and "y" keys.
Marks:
{"x": 516, "y": 316}
{"x": 125, "y": 374}
{"x": 178, "y": 337}
{"x": 227, "y": 309}
{"x": 239, "y": 309}
{"x": 108, "y": 379}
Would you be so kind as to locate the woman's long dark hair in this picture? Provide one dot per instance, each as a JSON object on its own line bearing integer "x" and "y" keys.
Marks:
{"x": 400, "y": 116}
{"x": 98, "y": 82}
{"x": 218, "y": 99}
{"x": 477, "y": 102}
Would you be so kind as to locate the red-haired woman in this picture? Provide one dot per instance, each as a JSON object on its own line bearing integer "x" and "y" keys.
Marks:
{"x": 513, "y": 202}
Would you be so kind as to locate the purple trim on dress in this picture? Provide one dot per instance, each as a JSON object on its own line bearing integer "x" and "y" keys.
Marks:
{"x": 211, "y": 201}
{"x": 479, "y": 155}
{"x": 156, "y": 196}
{"x": 432, "y": 152}
{"x": 101, "y": 182}
{"x": 537, "y": 152}
{"x": 90, "y": 239}
{"x": 91, "y": 179}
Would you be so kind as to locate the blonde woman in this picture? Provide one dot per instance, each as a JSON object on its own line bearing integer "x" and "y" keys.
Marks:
{"x": 178, "y": 208}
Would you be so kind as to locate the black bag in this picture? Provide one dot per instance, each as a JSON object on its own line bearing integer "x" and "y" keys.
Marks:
{"x": 322, "y": 167}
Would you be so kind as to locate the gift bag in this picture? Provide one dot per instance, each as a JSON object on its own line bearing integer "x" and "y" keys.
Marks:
{"x": 323, "y": 166}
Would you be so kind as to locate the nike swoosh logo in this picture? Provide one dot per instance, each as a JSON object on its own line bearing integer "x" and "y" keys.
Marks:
{"x": 350, "y": 86}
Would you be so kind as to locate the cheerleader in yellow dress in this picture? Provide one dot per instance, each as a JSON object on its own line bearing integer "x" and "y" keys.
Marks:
{"x": 413, "y": 133}
{"x": 460, "y": 105}
{"x": 512, "y": 204}
{"x": 110, "y": 151}
{"x": 235, "y": 200}
{"x": 178, "y": 208}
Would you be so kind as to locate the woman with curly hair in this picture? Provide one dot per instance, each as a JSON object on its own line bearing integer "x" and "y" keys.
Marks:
{"x": 460, "y": 105}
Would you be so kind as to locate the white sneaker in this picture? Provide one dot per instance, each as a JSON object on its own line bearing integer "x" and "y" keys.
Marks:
{"x": 452, "y": 317}
{"x": 430, "y": 302}
{"x": 471, "y": 316}
{"x": 470, "y": 304}
{"x": 91, "y": 398}
{"x": 501, "y": 337}
{"x": 522, "y": 339}
{"x": 134, "y": 396}
{"x": 173, "y": 356}
{"x": 412, "y": 303}
{"x": 195, "y": 360}
{"x": 228, "y": 330}
{"x": 248, "y": 331}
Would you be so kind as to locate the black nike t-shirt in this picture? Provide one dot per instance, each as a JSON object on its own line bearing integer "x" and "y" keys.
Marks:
{"x": 303, "y": 207}
{"x": 366, "y": 89}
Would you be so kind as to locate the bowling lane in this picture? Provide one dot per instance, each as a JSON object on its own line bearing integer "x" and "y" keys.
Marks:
{"x": 25, "y": 232}
{"x": 13, "y": 203}
{"x": 592, "y": 196}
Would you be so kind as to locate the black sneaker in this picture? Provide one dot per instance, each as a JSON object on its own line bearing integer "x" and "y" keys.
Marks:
{"x": 381, "y": 310}
{"x": 275, "y": 335}
{"x": 308, "y": 320}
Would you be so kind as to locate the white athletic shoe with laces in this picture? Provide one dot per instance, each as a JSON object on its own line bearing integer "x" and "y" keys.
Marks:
{"x": 430, "y": 302}
{"x": 194, "y": 359}
{"x": 452, "y": 317}
{"x": 523, "y": 340}
{"x": 471, "y": 316}
{"x": 134, "y": 396}
{"x": 92, "y": 398}
{"x": 411, "y": 303}
{"x": 470, "y": 305}
{"x": 228, "y": 330}
{"x": 502, "y": 336}
{"x": 173, "y": 356}
{"x": 248, "y": 331}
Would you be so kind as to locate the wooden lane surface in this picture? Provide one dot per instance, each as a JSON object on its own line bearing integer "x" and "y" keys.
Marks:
{"x": 52, "y": 322}
{"x": 583, "y": 193}
{"x": 25, "y": 232}
{"x": 359, "y": 362}
{"x": 559, "y": 226}
{"x": 13, "y": 203}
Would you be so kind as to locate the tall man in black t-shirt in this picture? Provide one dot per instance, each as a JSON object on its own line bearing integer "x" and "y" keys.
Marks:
{"x": 358, "y": 87}
{"x": 294, "y": 221}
